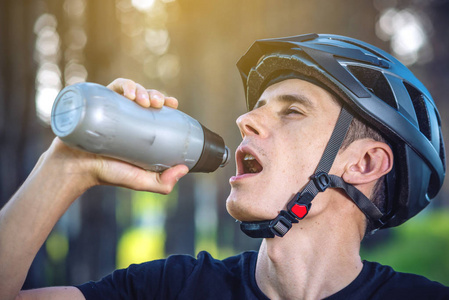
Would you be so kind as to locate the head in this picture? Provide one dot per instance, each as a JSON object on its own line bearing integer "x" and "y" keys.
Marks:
{"x": 284, "y": 136}
{"x": 295, "y": 88}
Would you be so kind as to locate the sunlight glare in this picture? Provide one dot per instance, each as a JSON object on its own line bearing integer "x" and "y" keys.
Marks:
{"x": 143, "y": 5}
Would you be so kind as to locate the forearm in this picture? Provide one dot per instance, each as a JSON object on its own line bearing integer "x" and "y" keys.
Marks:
{"x": 28, "y": 218}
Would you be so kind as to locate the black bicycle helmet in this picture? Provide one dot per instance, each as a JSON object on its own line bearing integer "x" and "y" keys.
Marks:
{"x": 378, "y": 89}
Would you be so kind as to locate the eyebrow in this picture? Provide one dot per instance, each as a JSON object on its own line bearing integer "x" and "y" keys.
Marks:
{"x": 290, "y": 98}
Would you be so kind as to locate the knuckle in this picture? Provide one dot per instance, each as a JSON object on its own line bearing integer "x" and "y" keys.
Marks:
{"x": 119, "y": 81}
{"x": 165, "y": 190}
{"x": 130, "y": 83}
{"x": 155, "y": 92}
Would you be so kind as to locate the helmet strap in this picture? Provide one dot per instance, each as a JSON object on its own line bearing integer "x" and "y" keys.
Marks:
{"x": 299, "y": 206}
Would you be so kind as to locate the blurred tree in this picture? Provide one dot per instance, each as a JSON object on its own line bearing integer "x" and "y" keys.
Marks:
{"x": 92, "y": 252}
{"x": 20, "y": 134}
{"x": 18, "y": 130}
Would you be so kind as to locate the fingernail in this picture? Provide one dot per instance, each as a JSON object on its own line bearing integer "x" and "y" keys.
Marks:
{"x": 157, "y": 97}
{"x": 131, "y": 93}
{"x": 182, "y": 175}
{"x": 147, "y": 99}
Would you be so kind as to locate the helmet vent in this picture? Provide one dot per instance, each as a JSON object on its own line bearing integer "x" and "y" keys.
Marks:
{"x": 442, "y": 151}
{"x": 375, "y": 82}
{"x": 358, "y": 44}
{"x": 421, "y": 110}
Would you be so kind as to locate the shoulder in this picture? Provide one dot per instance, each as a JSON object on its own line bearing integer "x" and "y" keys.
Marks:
{"x": 380, "y": 282}
{"x": 391, "y": 284}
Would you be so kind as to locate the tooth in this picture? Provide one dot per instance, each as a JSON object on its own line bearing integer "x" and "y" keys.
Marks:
{"x": 248, "y": 157}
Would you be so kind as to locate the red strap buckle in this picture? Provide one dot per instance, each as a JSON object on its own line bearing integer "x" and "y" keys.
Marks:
{"x": 300, "y": 210}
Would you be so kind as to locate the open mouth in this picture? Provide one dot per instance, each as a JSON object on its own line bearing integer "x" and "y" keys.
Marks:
{"x": 250, "y": 164}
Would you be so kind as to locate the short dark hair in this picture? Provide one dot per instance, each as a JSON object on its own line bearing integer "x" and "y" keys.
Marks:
{"x": 360, "y": 130}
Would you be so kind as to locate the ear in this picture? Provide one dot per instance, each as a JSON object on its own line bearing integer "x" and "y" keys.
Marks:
{"x": 370, "y": 161}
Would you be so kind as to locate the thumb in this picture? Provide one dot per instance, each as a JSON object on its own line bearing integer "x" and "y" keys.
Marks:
{"x": 168, "y": 178}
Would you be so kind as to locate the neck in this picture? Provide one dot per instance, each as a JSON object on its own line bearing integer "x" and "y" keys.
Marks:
{"x": 315, "y": 259}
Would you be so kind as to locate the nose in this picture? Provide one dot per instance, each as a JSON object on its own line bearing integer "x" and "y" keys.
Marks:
{"x": 250, "y": 124}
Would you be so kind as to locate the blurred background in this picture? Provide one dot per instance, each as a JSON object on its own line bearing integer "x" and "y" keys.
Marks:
{"x": 188, "y": 49}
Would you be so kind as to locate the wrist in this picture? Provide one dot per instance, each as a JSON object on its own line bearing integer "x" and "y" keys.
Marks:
{"x": 73, "y": 169}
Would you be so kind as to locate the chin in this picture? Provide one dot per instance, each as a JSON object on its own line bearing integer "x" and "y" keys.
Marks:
{"x": 246, "y": 212}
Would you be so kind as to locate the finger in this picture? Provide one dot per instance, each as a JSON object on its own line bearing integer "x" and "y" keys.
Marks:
{"x": 110, "y": 171}
{"x": 123, "y": 86}
{"x": 162, "y": 183}
{"x": 171, "y": 176}
{"x": 142, "y": 96}
{"x": 171, "y": 102}
{"x": 157, "y": 99}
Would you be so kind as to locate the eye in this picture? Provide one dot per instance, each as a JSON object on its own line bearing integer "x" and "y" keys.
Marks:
{"x": 294, "y": 110}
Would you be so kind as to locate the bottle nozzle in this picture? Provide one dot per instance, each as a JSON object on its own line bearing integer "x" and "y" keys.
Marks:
{"x": 226, "y": 157}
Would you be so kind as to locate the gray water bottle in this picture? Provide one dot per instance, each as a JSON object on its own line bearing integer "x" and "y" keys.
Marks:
{"x": 93, "y": 118}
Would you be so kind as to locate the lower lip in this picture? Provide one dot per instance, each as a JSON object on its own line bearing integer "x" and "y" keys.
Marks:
{"x": 241, "y": 177}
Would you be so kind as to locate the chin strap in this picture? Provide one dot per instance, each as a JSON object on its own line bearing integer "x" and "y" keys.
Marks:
{"x": 300, "y": 205}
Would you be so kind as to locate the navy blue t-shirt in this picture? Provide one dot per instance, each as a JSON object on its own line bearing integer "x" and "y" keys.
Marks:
{"x": 184, "y": 277}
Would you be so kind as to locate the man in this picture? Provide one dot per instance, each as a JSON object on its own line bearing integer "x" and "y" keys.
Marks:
{"x": 332, "y": 122}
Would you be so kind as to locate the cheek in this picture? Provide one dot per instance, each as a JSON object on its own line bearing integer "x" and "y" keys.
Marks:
{"x": 299, "y": 162}
{"x": 301, "y": 156}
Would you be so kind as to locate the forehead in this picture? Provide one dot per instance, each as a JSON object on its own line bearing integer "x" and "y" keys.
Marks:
{"x": 297, "y": 90}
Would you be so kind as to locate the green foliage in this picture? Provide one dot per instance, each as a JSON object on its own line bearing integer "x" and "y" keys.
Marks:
{"x": 144, "y": 238}
{"x": 419, "y": 246}
{"x": 138, "y": 245}
{"x": 57, "y": 247}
